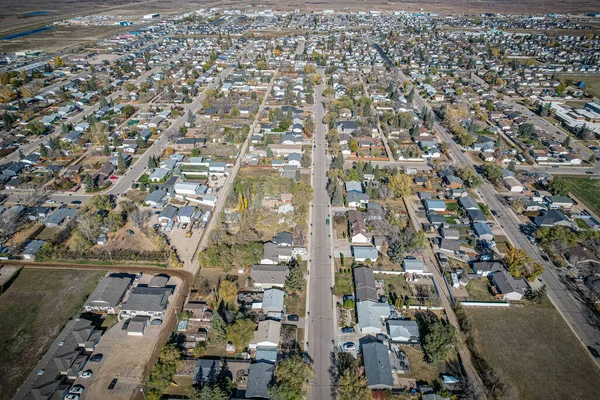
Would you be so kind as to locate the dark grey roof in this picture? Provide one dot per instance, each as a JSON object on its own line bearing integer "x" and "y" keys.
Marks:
{"x": 168, "y": 212}
{"x": 364, "y": 284}
{"x": 476, "y": 216}
{"x": 283, "y": 238}
{"x": 147, "y": 299}
{"x": 209, "y": 368}
{"x": 273, "y": 274}
{"x": 260, "y": 375}
{"x": 110, "y": 290}
{"x": 378, "y": 370}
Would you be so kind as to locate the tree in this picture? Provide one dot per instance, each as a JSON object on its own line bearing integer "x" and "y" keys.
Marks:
{"x": 526, "y": 130}
{"x": 43, "y": 150}
{"x": 295, "y": 280}
{"x": 228, "y": 292}
{"x": 469, "y": 176}
{"x": 58, "y": 61}
{"x": 241, "y": 333}
{"x": 89, "y": 226}
{"x": 121, "y": 164}
{"x": 140, "y": 217}
{"x": 7, "y": 94}
{"x": 90, "y": 183}
{"x": 210, "y": 393}
{"x": 10, "y": 220}
{"x": 559, "y": 187}
{"x": 36, "y": 127}
{"x": 352, "y": 386}
{"x": 292, "y": 377}
{"x": 400, "y": 185}
{"x": 127, "y": 111}
{"x": 306, "y": 161}
{"x": 492, "y": 173}
{"x": 219, "y": 326}
{"x": 337, "y": 199}
{"x": 517, "y": 261}
{"x": 411, "y": 95}
{"x": 438, "y": 337}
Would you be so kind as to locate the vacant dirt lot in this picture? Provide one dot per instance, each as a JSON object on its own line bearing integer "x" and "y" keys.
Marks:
{"x": 535, "y": 350}
{"x": 33, "y": 311}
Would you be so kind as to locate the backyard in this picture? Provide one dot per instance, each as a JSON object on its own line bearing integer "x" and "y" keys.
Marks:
{"x": 480, "y": 290}
{"x": 33, "y": 311}
{"x": 532, "y": 347}
{"x": 587, "y": 190}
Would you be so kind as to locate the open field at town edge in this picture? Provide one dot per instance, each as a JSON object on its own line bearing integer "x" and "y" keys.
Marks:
{"x": 33, "y": 311}
{"x": 533, "y": 349}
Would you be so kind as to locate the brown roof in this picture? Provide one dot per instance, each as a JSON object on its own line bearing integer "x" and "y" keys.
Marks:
{"x": 356, "y": 222}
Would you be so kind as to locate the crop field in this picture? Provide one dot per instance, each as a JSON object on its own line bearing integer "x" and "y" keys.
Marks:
{"x": 535, "y": 351}
{"x": 33, "y": 311}
{"x": 586, "y": 189}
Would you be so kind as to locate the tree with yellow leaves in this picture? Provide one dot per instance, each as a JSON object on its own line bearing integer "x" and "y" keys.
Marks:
{"x": 400, "y": 185}
{"x": 58, "y": 61}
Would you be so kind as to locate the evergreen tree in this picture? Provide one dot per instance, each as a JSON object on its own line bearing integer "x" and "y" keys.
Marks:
{"x": 121, "y": 165}
{"x": 337, "y": 199}
{"x": 43, "y": 150}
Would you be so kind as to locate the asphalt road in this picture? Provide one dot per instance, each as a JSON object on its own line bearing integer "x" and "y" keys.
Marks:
{"x": 320, "y": 318}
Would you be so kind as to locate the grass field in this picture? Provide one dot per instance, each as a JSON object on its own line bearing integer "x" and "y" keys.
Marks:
{"x": 480, "y": 290}
{"x": 535, "y": 351}
{"x": 33, "y": 311}
{"x": 592, "y": 83}
{"x": 586, "y": 189}
{"x": 343, "y": 284}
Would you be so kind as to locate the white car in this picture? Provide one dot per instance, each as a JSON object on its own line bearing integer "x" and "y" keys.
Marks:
{"x": 349, "y": 346}
{"x": 72, "y": 397}
{"x": 51, "y": 201}
{"x": 76, "y": 389}
{"x": 86, "y": 374}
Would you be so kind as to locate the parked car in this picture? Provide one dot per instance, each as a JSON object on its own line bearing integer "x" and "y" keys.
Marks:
{"x": 96, "y": 358}
{"x": 51, "y": 201}
{"x": 77, "y": 389}
{"x": 349, "y": 346}
{"x": 72, "y": 397}
{"x": 293, "y": 317}
{"x": 113, "y": 383}
{"x": 86, "y": 374}
{"x": 594, "y": 352}
{"x": 184, "y": 226}
{"x": 76, "y": 202}
{"x": 129, "y": 232}
{"x": 138, "y": 277}
{"x": 348, "y": 330}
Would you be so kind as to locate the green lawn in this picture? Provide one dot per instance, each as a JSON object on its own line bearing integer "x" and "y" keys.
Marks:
{"x": 535, "y": 351}
{"x": 343, "y": 284}
{"x": 586, "y": 189}
{"x": 592, "y": 82}
{"x": 33, "y": 311}
{"x": 452, "y": 206}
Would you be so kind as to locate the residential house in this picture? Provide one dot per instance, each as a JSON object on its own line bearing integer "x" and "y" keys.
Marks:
{"x": 167, "y": 215}
{"x": 555, "y": 202}
{"x": 403, "y": 331}
{"x": 159, "y": 175}
{"x": 453, "y": 182}
{"x": 272, "y": 302}
{"x": 275, "y": 254}
{"x": 32, "y": 248}
{"x": 357, "y": 227}
{"x": 364, "y": 284}
{"x": 364, "y": 253}
{"x": 109, "y": 293}
{"x": 269, "y": 276}
{"x": 552, "y": 218}
{"x": 476, "y": 216}
{"x": 146, "y": 301}
{"x": 356, "y": 199}
{"x": 156, "y": 199}
{"x": 371, "y": 315}
{"x": 434, "y": 205}
{"x": 378, "y": 370}
{"x": 485, "y": 268}
{"x": 468, "y": 203}
{"x": 413, "y": 266}
{"x": 483, "y": 231}
{"x": 267, "y": 335}
{"x": 59, "y": 217}
{"x": 260, "y": 375}
{"x": 354, "y": 186}
{"x": 509, "y": 287}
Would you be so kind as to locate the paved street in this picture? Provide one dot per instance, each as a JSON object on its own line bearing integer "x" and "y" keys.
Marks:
{"x": 320, "y": 319}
